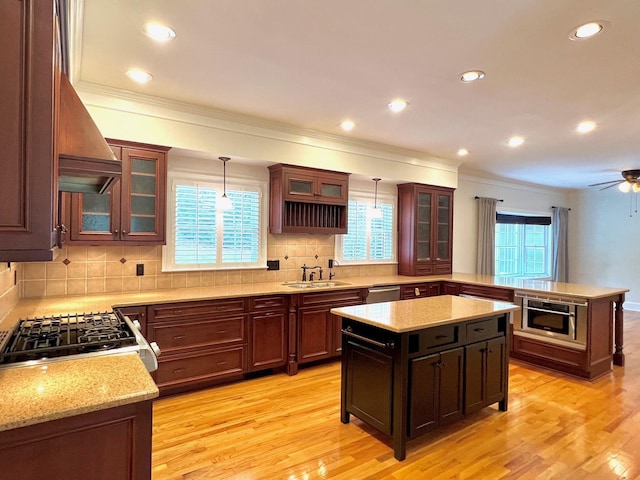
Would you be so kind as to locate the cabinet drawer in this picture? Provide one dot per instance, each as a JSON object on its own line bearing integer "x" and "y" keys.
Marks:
{"x": 272, "y": 302}
{"x": 181, "y": 311}
{"x": 413, "y": 291}
{"x": 443, "y": 269}
{"x": 200, "y": 366}
{"x": 487, "y": 292}
{"x": 332, "y": 299}
{"x": 422, "y": 269}
{"x": 438, "y": 336}
{"x": 175, "y": 336}
{"x": 483, "y": 329}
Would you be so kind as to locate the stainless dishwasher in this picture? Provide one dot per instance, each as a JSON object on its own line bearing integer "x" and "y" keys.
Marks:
{"x": 387, "y": 293}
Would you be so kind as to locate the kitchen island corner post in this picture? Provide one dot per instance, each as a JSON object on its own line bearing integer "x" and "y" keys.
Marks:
{"x": 400, "y": 397}
{"x": 618, "y": 355}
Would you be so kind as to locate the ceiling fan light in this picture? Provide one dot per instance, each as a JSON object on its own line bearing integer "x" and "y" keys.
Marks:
{"x": 624, "y": 187}
{"x": 636, "y": 187}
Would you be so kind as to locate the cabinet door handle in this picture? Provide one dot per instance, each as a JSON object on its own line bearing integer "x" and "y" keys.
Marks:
{"x": 124, "y": 232}
{"x": 178, "y": 370}
{"x": 115, "y": 232}
{"x": 178, "y": 337}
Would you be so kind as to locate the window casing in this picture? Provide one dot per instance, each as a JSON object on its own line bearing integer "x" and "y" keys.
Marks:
{"x": 523, "y": 249}
{"x": 370, "y": 240}
{"x": 202, "y": 237}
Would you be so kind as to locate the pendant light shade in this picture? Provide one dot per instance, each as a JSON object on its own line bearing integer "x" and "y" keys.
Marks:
{"x": 224, "y": 203}
{"x": 376, "y": 212}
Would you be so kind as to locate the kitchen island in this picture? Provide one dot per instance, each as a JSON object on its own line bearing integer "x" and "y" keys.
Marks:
{"x": 411, "y": 366}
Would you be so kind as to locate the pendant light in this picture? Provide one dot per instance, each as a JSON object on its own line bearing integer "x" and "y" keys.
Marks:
{"x": 225, "y": 202}
{"x": 376, "y": 212}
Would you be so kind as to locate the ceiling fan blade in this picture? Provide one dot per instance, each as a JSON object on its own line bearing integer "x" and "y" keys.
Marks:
{"x": 605, "y": 183}
{"x": 612, "y": 185}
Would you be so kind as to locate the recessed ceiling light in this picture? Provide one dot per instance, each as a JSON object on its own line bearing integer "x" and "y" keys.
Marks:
{"x": 587, "y": 30}
{"x": 586, "y": 127}
{"x": 398, "y": 105}
{"x": 462, "y": 152}
{"x": 138, "y": 75}
{"x": 347, "y": 125}
{"x": 158, "y": 32}
{"x": 515, "y": 141}
{"x": 471, "y": 76}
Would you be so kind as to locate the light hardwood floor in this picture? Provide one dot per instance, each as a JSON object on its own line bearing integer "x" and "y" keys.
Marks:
{"x": 280, "y": 427}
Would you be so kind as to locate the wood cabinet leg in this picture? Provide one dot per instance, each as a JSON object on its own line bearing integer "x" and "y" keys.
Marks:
{"x": 618, "y": 355}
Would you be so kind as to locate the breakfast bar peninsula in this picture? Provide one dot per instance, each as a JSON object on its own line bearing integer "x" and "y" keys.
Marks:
{"x": 411, "y": 366}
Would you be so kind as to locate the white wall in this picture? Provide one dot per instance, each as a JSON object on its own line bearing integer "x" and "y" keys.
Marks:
{"x": 605, "y": 248}
{"x": 518, "y": 198}
{"x": 603, "y": 239}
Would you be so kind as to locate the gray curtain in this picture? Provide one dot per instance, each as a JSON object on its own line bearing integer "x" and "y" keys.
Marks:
{"x": 486, "y": 264}
{"x": 560, "y": 225}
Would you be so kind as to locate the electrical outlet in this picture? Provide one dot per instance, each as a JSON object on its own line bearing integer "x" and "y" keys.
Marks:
{"x": 273, "y": 264}
{"x": 330, "y": 263}
{"x": 139, "y": 269}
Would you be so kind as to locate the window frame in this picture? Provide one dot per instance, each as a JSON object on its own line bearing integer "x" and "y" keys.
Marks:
{"x": 522, "y": 247}
{"x": 368, "y": 198}
{"x": 180, "y": 177}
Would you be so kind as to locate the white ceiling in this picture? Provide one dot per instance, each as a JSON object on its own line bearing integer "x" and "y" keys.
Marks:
{"x": 314, "y": 63}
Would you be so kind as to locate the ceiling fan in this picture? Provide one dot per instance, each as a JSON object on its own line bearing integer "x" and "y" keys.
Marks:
{"x": 631, "y": 181}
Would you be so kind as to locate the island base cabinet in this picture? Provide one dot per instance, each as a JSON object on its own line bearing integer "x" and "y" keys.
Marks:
{"x": 435, "y": 392}
{"x": 112, "y": 444}
{"x": 484, "y": 374}
{"x": 370, "y": 386}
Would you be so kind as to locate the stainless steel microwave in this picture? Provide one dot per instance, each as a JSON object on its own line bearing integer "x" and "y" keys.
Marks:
{"x": 559, "y": 321}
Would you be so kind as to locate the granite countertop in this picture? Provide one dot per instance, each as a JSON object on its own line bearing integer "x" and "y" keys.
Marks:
{"x": 35, "y": 394}
{"x": 409, "y": 315}
{"x": 31, "y": 307}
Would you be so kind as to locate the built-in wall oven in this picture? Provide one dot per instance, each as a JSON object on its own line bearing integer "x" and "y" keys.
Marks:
{"x": 562, "y": 321}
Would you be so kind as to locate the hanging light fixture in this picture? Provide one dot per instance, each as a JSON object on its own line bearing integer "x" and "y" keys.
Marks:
{"x": 376, "y": 212}
{"x": 225, "y": 202}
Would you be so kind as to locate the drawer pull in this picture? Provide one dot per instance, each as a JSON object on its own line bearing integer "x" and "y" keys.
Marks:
{"x": 441, "y": 337}
{"x": 178, "y": 370}
{"x": 479, "y": 330}
{"x": 220, "y": 364}
{"x": 179, "y": 337}
{"x": 221, "y": 332}
{"x": 178, "y": 312}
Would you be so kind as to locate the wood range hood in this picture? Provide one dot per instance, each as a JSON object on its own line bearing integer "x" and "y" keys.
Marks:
{"x": 85, "y": 162}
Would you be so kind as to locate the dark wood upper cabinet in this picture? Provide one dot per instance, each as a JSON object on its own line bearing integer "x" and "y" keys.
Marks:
{"x": 133, "y": 211}
{"x": 307, "y": 200}
{"x": 29, "y": 89}
{"x": 425, "y": 229}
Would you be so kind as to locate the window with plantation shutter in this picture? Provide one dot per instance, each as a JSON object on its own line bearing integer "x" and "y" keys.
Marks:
{"x": 369, "y": 239}
{"x": 523, "y": 246}
{"x": 203, "y": 237}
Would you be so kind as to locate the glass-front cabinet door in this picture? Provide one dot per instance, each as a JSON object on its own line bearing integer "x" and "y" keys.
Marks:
{"x": 443, "y": 250}
{"x": 142, "y": 200}
{"x": 423, "y": 239}
{"x": 95, "y": 217}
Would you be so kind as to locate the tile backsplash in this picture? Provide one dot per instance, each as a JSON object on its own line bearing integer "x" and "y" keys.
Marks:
{"x": 78, "y": 270}
{"x": 8, "y": 287}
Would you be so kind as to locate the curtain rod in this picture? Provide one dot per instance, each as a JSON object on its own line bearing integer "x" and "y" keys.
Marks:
{"x": 498, "y": 199}
{"x": 553, "y": 206}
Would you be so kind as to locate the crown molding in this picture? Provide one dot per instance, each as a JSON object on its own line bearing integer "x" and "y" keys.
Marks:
{"x": 494, "y": 180}
{"x": 126, "y": 100}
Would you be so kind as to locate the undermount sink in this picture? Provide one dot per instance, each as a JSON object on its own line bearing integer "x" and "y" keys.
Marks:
{"x": 319, "y": 284}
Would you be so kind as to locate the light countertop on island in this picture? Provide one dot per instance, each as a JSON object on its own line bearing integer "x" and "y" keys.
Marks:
{"x": 59, "y": 389}
{"x": 409, "y": 315}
